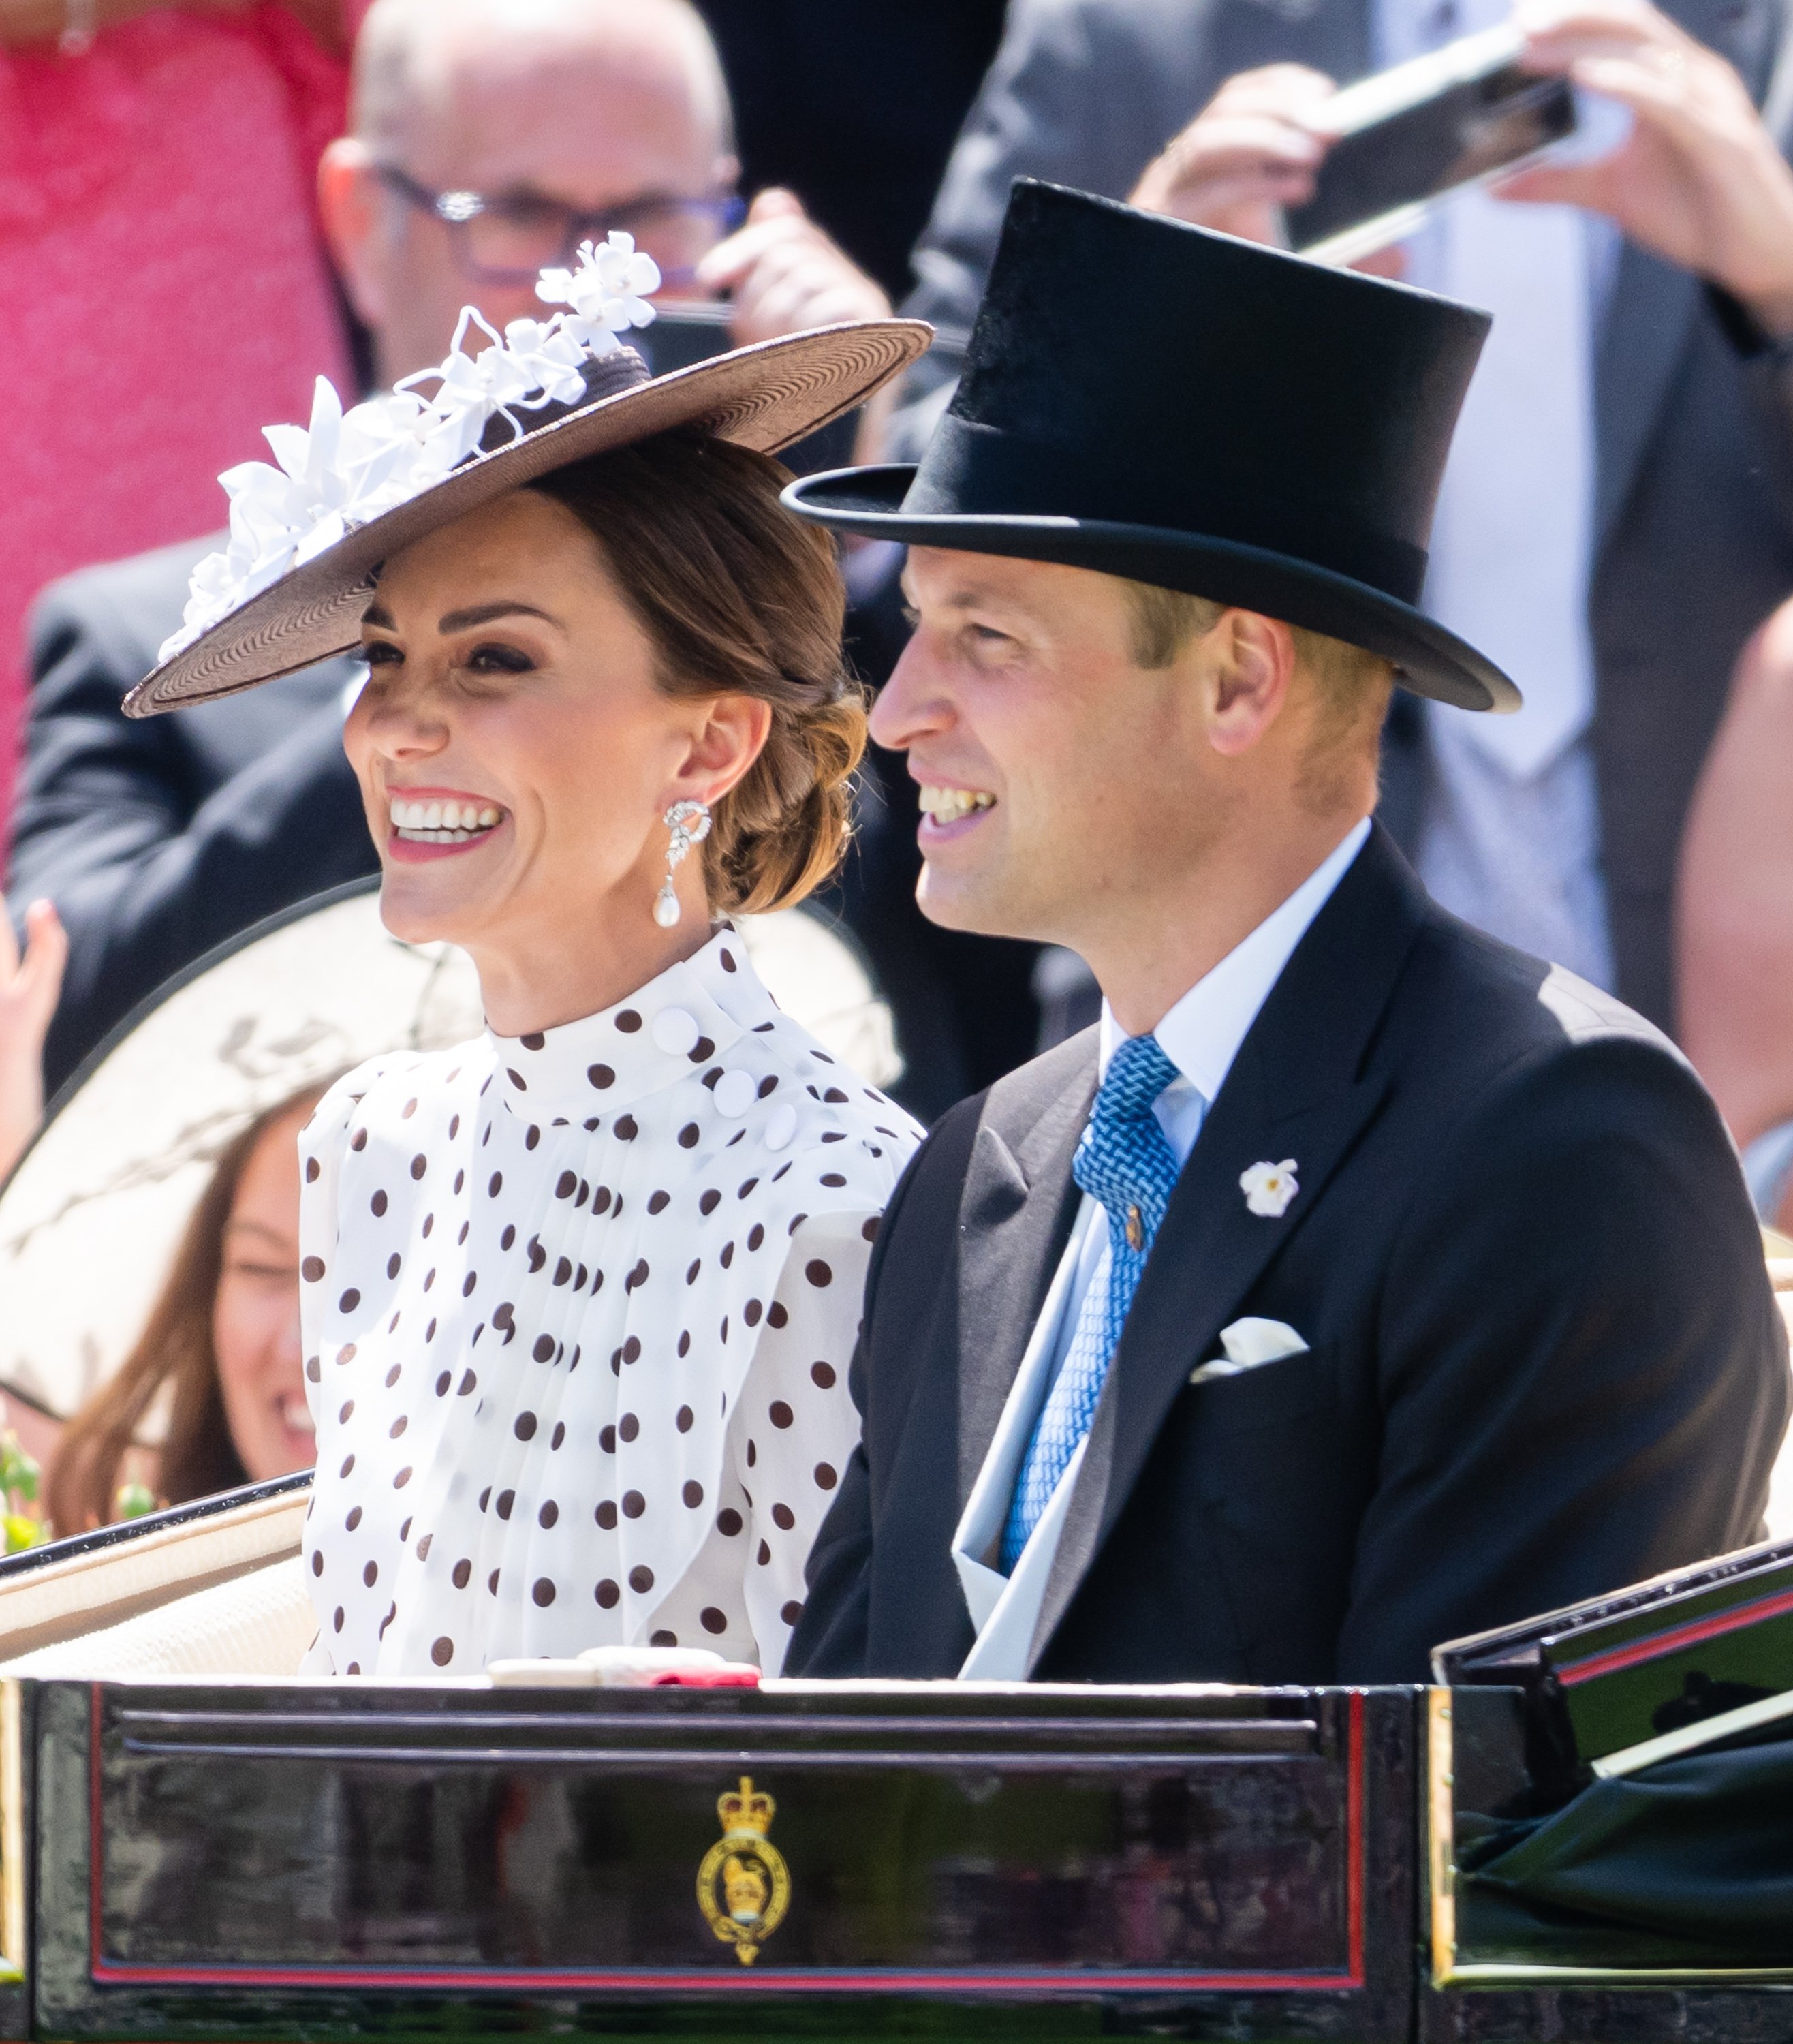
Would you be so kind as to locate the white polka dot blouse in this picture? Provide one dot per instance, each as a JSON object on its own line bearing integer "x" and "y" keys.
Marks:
{"x": 578, "y": 1308}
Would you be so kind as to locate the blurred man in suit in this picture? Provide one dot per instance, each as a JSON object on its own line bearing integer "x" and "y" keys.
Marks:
{"x": 1358, "y": 1282}
{"x": 1618, "y": 515}
{"x": 489, "y": 136}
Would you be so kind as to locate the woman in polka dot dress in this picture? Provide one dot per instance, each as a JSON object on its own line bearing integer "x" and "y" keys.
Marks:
{"x": 577, "y": 1299}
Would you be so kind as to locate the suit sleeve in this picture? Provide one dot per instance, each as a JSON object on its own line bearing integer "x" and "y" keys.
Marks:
{"x": 1584, "y": 1376}
{"x": 148, "y": 869}
{"x": 1073, "y": 96}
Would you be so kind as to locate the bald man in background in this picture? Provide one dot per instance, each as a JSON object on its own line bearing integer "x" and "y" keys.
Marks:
{"x": 159, "y": 840}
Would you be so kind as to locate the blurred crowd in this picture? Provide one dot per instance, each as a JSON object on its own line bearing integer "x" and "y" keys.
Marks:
{"x": 204, "y": 207}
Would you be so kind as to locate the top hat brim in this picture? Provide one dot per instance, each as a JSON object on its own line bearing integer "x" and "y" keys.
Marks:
{"x": 1428, "y": 659}
{"x": 763, "y": 397}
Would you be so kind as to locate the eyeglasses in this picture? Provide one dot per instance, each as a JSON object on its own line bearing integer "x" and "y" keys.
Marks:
{"x": 507, "y": 240}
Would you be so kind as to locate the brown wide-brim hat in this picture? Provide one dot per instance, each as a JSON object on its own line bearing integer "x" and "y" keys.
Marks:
{"x": 764, "y": 397}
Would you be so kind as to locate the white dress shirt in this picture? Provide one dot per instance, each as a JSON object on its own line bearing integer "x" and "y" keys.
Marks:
{"x": 1509, "y": 832}
{"x": 1201, "y": 1036}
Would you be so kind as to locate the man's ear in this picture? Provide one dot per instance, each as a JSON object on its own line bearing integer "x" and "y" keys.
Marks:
{"x": 1253, "y": 663}
{"x": 349, "y": 202}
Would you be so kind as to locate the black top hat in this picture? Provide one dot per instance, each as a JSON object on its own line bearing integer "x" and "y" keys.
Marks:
{"x": 1181, "y": 408}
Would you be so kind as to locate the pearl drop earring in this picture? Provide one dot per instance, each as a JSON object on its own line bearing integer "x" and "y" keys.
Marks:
{"x": 689, "y": 823}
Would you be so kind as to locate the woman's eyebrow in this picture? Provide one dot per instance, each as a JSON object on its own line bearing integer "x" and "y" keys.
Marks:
{"x": 378, "y": 614}
{"x": 483, "y": 613}
{"x": 245, "y": 1225}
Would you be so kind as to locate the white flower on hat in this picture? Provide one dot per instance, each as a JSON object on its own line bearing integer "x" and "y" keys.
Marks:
{"x": 608, "y": 291}
{"x": 1268, "y": 1188}
{"x": 348, "y": 468}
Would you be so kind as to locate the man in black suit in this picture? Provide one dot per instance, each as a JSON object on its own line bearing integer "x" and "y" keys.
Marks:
{"x": 1360, "y": 1282}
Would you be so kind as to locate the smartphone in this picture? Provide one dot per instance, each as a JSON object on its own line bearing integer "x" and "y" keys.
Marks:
{"x": 1409, "y": 136}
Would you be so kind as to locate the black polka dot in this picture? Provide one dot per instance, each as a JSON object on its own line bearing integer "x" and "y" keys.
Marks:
{"x": 350, "y": 1300}
{"x": 696, "y": 1264}
{"x": 684, "y": 1419}
{"x": 402, "y": 1479}
{"x": 626, "y": 1128}
{"x": 636, "y": 1277}
{"x": 312, "y": 1369}
{"x": 600, "y": 1200}
{"x": 542, "y": 1590}
{"x": 606, "y": 1515}
{"x": 420, "y": 1164}
{"x": 548, "y": 1514}
{"x": 353, "y": 1520}
{"x": 348, "y": 1463}
{"x": 764, "y": 1554}
{"x": 423, "y": 1545}
{"x": 607, "y": 1594}
{"x": 628, "y": 1427}
{"x": 359, "y": 1140}
{"x": 713, "y": 1620}
{"x": 566, "y": 1185}
{"x": 745, "y": 1187}
{"x": 494, "y": 1184}
{"x": 728, "y": 959}
{"x": 600, "y": 1076}
{"x": 781, "y": 1414}
{"x": 492, "y": 1583}
{"x": 515, "y": 1078}
{"x": 467, "y": 1284}
{"x": 728, "y": 1523}
{"x": 707, "y": 1204}
{"x": 523, "y": 1426}
{"x": 756, "y": 1235}
{"x": 684, "y": 1342}
{"x": 378, "y": 1203}
{"x": 753, "y": 1453}
{"x": 628, "y": 1021}
{"x": 776, "y": 1316}
{"x": 832, "y": 1178}
{"x": 533, "y": 1041}
{"x": 538, "y": 1255}
{"x": 750, "y": 1313}
{"x": 658, "y": 1202}
{"x": 822, "y": 1375}
{"x": 662, "y": 1639}
{"x": 467, "y": 1384}
{"x": 693, "y": 1494}
{"x": 634, "y": 1504}
{"x": 506, "y": 1501}
{"x": 316, "y": 1561}
{"x": 338, "y": 1620}
{"x": 827, "y": 1477}
{"x": 485, "y": 1497}
{"x": 312, "y": 1169}
{"x": 727, "y": 1256}
{"x": 543, "y": 1348}
{"x": 558, "y": 1435}
{"x": 607, "y": 1439}
{"x": 687, "y": 1136}
{"x": 783, "y": 1517}
{"x": 462, "y": 1574}
{"x": 443, "y": 1652}
{"x": 790, "y": 1612}
{"x": 641, "y": 1579}
{"x": 869, "y": 1228}
{"x": 392, "y": 1264}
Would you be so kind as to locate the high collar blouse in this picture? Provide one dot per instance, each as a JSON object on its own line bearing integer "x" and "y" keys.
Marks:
{"x": 578, "y": 1308}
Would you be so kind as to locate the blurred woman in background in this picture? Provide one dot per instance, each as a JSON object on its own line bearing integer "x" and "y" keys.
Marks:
{"x": 221, "y": 1346}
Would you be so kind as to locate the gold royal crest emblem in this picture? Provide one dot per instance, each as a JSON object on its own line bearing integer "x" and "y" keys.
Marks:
{"x": 743, "y": 1885}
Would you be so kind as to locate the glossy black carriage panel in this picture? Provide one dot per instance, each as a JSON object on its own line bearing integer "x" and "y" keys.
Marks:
{"x": 1198, "y": 1864}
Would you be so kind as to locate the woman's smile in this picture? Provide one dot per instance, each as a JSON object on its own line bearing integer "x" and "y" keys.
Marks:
{"x": 437, "y": 823}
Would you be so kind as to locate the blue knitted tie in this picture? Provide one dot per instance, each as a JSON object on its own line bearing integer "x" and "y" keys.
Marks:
{"x": 1124, "y": 1161}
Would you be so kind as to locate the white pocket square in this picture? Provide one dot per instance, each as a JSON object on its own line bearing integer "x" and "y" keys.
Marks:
{"x": 1250, "y": 1343}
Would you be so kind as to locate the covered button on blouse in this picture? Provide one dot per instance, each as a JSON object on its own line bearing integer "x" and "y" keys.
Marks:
{"x": 578, "y": 1308}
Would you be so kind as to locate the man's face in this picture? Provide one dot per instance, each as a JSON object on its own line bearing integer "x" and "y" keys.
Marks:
{"x": 1060, "y": 779}
{"x": 593, "y": 123}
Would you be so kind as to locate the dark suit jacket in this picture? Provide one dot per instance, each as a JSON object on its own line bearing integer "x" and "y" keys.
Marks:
{"x": 1543, "y": 1358}
{"x": 1694, "y": 422}
{"x": 158, "y": 839}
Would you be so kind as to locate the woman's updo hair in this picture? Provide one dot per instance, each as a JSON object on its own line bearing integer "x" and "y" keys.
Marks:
{"x": 739, "y": 597}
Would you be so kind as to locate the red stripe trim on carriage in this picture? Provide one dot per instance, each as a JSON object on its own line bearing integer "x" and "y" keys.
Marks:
{"x": 1690, "y": 1634}
{"x": 761, "y": 1979}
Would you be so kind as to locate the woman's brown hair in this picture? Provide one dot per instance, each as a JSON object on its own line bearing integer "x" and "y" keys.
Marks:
{"x": 197, "y": 1456}
{"x": 739, "y": 597}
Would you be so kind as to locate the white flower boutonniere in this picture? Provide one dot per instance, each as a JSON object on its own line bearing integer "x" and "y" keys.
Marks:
{"x": 1268, "y": 1188}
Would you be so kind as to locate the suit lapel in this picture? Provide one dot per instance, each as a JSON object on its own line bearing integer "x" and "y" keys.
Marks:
{"x": 1297, "y": 1089}
{"x": 1015, "y": 1218}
